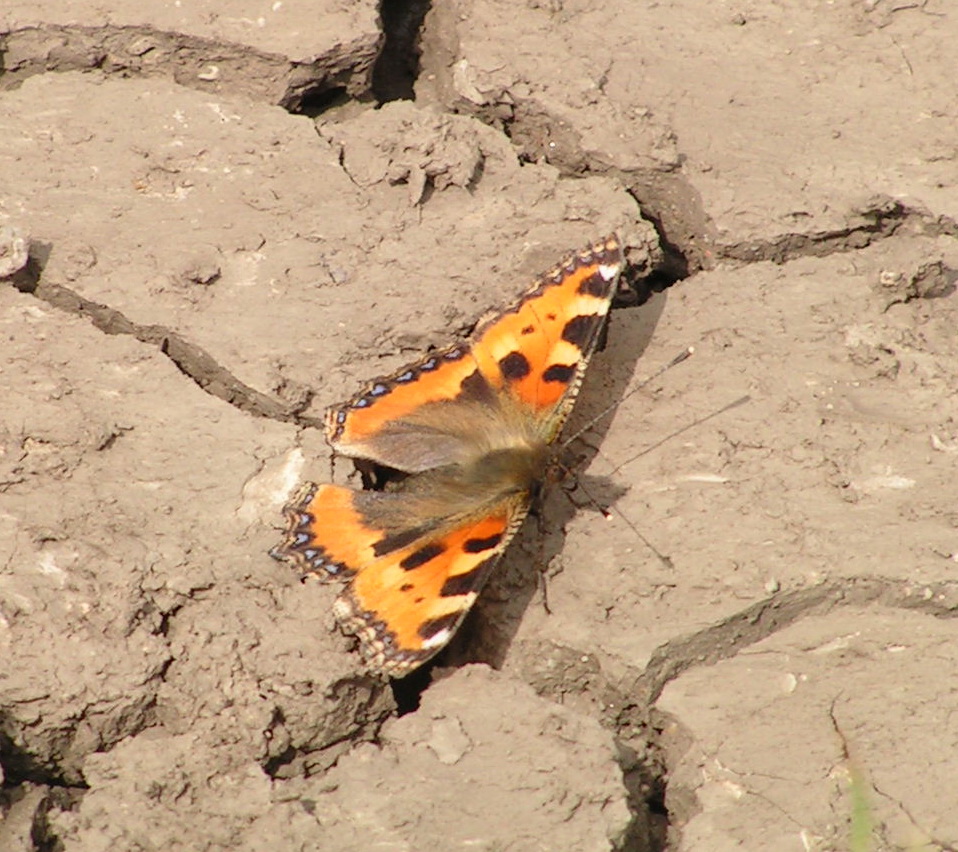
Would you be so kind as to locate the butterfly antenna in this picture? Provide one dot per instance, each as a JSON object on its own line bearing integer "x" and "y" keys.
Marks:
{"x": 607, "y": 513}
{"x": 698, "y": 422}
{"x": 678, "y": 359}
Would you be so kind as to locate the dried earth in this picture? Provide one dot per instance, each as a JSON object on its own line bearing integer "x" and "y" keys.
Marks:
{"x": 209, "y": 232}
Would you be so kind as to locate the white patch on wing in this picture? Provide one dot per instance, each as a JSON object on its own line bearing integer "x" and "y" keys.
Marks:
{"x": 607, "y": 271}
{"x": 437, "y": 640}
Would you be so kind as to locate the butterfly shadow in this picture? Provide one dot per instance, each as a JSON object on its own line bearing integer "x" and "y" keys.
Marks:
{"x": 522, "y": 576}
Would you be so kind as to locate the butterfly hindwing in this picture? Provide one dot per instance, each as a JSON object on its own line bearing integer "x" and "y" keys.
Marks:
{"x": 407, "y": 594}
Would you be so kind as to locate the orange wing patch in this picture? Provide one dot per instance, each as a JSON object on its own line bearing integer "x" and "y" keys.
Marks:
{"x": 406, "y": 598}
{"x": 391, "y": 397}
{"x": 471, "y": 425}
{"x": 347, "y": 540}
{"x": 540, "y": 347}
{"x": 406, "y": 606}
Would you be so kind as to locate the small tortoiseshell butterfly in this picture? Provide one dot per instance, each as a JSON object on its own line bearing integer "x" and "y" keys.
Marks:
{"x": 466, "y": 434}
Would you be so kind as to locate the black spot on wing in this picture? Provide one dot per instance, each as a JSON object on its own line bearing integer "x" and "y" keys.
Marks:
{"x": 391, "y": 543}
{"x": 430, "y": 628}
{"x": 514, "y": 366}
{"x": 420, "y": 557}
{"x": 595, "y": 285}
{"x": 579, "y": 329}
{"x": 396, "y": 541}
{"x": 559, "y": 373}
{"x": 470, "y": 581}
{"x": 477, "y": 545}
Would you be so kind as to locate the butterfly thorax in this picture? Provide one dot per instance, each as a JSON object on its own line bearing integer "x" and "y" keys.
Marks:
{"x": 507, "y": 470}
{"x": 492, "y": 454}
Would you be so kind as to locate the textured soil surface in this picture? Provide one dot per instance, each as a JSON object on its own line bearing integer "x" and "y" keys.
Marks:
{"x": 218, "y": 218}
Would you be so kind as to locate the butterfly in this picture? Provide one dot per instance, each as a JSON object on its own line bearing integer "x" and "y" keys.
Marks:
{"x": 465, "y": 435}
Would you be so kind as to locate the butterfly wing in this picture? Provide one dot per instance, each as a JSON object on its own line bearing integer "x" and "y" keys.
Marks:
{"x": 535, "y": 351}
{"x": 411, "y": 582}
{"x": 538, "y": 349}
{"x": 372, "y": 425}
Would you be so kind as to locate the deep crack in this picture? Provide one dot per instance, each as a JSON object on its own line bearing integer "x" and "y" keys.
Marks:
{"x": 768, "y": 616}
{"x": 630, "y": 707}
{"x": 193, "y": 361}
{"x": 209, "y": 65}
{"x": 397, "y": 68}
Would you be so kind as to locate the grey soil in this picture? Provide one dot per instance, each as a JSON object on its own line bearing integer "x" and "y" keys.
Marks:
{"x": 225, "y": 236}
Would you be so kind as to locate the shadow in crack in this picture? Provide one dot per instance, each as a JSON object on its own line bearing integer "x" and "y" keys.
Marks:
{"x": 397, "y": 68}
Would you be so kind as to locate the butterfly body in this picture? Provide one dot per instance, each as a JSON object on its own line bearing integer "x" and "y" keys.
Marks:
{"x": 469, "y": 430}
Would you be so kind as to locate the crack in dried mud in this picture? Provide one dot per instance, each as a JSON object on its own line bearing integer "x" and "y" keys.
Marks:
{"x": 193, "y": 361}
{"x": 857, "y": 777}
{"x": 630, "y": 709}
{"x": 766, "y": 617}
{"x": 881, "y": 221}
{"x": 206, "y": 64}
{"x": 682, "y": 227}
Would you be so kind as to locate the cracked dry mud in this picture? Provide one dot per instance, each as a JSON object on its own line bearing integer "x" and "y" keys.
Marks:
{"x": 226, "y": 235}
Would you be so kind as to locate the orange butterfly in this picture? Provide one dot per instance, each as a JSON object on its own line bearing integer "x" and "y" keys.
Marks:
{"x": 469, "y": 428}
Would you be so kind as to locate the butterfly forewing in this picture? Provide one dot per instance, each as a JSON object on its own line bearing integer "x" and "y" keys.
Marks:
{"x": 539, "y": 348}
